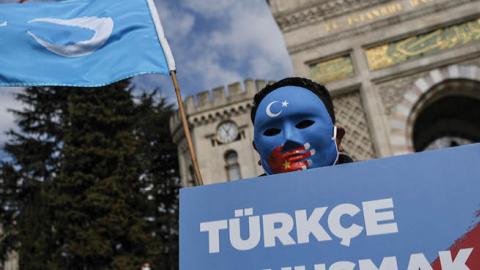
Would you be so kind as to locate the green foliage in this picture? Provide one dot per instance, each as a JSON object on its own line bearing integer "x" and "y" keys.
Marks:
{"x": 95, "y": 180}
{"x": 25, "y": 180}
{"x": 158, "y": 154}
{"x": 8, "y": 194}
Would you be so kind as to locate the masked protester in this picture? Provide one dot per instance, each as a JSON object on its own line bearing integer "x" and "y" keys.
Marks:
{"x": 294, "y": 127}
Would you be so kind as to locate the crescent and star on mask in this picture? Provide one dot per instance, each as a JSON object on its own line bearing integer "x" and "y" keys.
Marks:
{"x": 102, "y": 28}
{"x": 269, "y": 112}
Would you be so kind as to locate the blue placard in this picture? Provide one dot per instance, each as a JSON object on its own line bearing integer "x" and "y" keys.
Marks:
{"x": 411, "y": 212}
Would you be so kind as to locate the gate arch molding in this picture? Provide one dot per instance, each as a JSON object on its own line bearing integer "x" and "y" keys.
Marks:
{"x": 405, "y": 112}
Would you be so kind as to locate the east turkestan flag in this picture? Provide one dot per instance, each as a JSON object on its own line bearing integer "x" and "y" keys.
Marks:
{"x": 83, "y": 43}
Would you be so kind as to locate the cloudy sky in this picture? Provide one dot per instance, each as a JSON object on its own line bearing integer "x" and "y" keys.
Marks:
{"x": 214, "y": 42}
{"x": 218, "y": 42}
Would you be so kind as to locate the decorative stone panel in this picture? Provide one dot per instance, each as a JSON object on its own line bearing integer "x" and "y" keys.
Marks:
{"x": 318, "y": 10}
{"x": 350, "y": 114}
{"x": 331, "y": 70}
{"x": 392, "y": 92}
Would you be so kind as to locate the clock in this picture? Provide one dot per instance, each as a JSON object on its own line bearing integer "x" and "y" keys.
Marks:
{"x": 227, "y": 132}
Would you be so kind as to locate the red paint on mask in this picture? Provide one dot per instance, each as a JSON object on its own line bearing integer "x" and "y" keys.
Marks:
{"x": 288, "y": 161}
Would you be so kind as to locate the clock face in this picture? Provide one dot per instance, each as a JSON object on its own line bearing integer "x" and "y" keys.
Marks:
{"x": 227, "y": 132}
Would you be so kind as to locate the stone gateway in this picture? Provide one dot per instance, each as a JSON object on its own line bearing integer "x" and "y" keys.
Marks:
{"x": 404, "y": 75}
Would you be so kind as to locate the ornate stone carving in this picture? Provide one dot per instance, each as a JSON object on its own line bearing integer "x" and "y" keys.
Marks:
{"x": 341, "y": 34}
{"x": 332, "y": 70}
{"x": 404, "y": 113}
{"x": 392, "y": 92}
{"x": 320, "y": 10}
{"x": 350, "y": 114}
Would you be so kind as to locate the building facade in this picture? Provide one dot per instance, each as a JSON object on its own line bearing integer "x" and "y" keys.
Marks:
{"x": 404, "y": 75}
{"x": 11, "y": 262}
{"x": 411, "y": 68}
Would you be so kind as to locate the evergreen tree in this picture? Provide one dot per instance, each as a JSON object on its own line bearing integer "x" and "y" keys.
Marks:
{"x": 25, "y": 213}
{"x": 8, "y": 212}
{"x": 98, "y": 205}
{"x": 93, "y": 183}
{"x": 158, "y": 156}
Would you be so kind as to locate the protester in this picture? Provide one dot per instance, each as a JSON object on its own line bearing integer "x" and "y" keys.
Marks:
{"x": 146, "y": 266}
{"x": 294, "y": 127}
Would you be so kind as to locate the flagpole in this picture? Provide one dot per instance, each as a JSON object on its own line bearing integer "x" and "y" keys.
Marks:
{"x": 186, "y": 130}
{"x": 173, "y": 74}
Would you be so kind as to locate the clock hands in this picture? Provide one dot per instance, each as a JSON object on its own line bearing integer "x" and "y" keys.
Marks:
{"x": 227, "y": 132}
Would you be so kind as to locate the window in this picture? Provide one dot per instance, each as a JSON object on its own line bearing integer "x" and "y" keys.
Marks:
{"x": 449, "y": 118}
{"x": 232, "y": 166}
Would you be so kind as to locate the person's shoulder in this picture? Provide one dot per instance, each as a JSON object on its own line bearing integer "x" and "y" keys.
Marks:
{"x": 344, "y": 158}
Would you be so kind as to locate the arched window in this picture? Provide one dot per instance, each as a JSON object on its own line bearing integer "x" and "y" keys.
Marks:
{"x": 232, "y": 166}
{"x": 449, "y": 118}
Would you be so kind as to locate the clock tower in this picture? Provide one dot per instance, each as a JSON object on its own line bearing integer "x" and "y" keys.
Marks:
{"x": 222, "y": 134}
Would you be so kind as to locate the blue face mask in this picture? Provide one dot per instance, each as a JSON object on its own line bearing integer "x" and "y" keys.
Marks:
{"x": 293, "y": 131}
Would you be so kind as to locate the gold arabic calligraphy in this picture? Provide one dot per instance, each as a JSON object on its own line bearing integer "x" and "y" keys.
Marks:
{"x": 424, "y": 44}
{"x": 332, "y": 70}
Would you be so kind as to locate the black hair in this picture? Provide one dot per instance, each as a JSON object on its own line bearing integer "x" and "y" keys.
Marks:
{"x": 316, "y": 88}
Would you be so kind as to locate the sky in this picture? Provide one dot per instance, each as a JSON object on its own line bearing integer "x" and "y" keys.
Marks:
{"x": 214, "y": 42}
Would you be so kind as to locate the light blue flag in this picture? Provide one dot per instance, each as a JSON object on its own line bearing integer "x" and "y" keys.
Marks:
{"x": 83, "y": 43}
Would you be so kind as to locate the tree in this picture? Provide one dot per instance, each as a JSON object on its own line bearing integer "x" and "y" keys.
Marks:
{"x": 25, "y": 180}
{"x": 98, "y": 205}
{"x": 96, "y": 180}
{"x": 158, "y": 155}
{"x": 8, "y": 212}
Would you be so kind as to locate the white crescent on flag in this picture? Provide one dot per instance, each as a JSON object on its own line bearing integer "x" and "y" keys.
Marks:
{"x": 81, "y": 43}
{"x": 103, "y": 28}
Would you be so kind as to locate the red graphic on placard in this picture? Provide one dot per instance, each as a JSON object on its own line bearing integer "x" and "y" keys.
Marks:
{"x": 288, "y": 161}
{"x": 469, "y": 240}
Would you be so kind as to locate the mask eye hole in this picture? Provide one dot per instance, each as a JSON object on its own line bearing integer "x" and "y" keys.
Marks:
{"x": 304, "y": 124}
{"x": 271, "y": 132}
